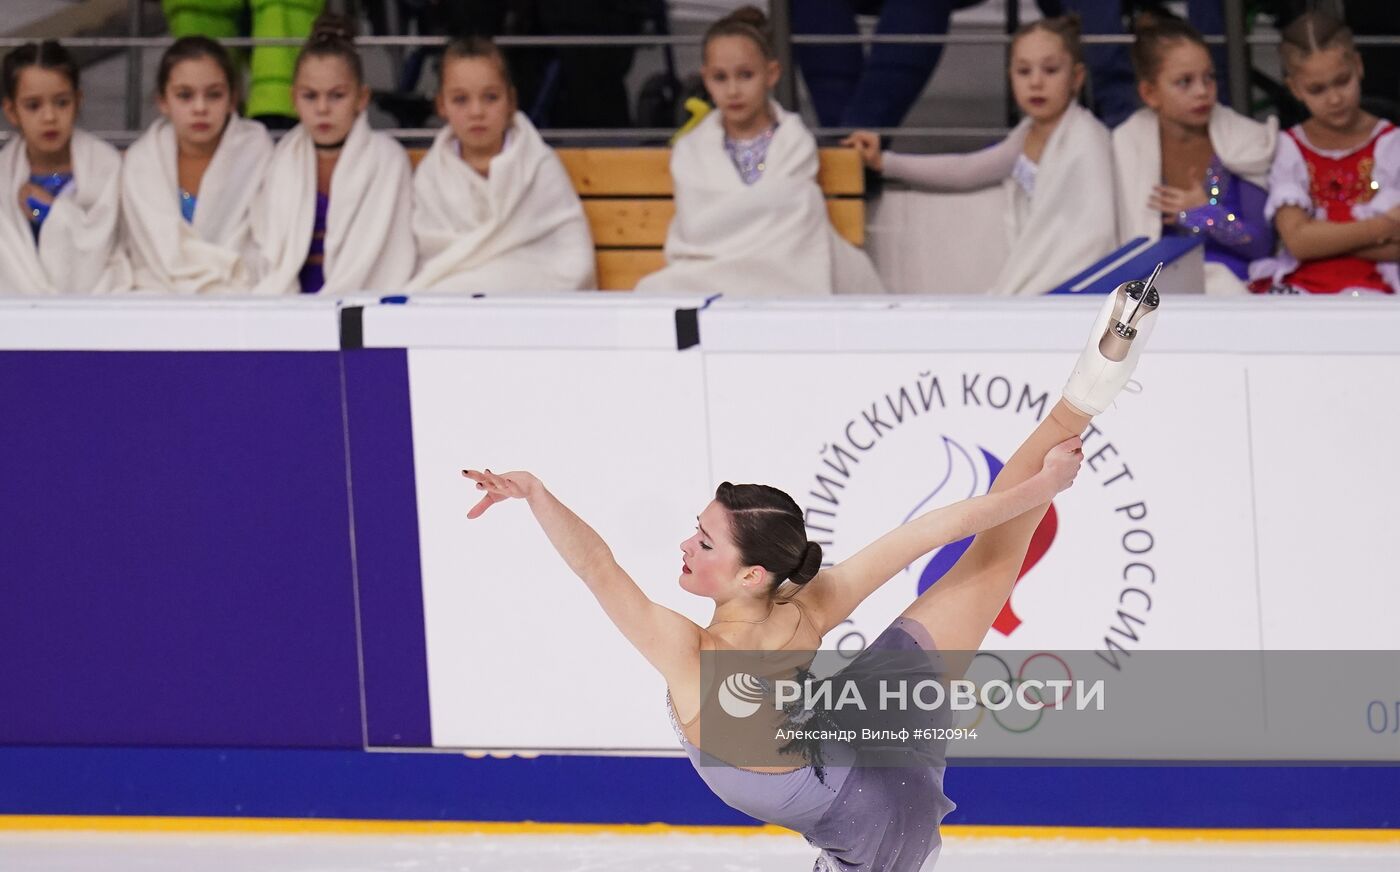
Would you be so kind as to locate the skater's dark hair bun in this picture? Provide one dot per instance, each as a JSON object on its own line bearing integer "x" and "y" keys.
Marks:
{"x": 768, "y": 530}
{"x": 748, "y": 22}
{"x": 809, "y": 567}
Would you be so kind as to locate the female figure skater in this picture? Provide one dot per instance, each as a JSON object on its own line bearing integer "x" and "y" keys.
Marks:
{"x": 1334, "y": 189}
{"x": 1055, "y": 166}
{"x": 493, "y": 208}
{"x": 188, "y": 182}
{"x": 61, "y": 235}
{"x": 1186, "y": 164}
{"x": 751, "y": 539}
{"x": 750, "y": 216}
{"x": 335, "y": 209}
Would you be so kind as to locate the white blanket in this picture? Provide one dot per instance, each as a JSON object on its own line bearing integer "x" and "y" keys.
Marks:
{"x": 521, "y": 228}
{"x": 79, "y": 250}
{"x": 369, "y": 238}
{"x": 1069, "y": 222}
{"x": 771, "y": 238}
{"x": 1244, "y": 146}
{"x": 212, "y": 254}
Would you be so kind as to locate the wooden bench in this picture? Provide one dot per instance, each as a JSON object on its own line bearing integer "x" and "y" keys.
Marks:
{"x": 627, "y": 193}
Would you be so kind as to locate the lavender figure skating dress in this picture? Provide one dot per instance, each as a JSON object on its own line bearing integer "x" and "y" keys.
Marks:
{"x": 862, "y": 817}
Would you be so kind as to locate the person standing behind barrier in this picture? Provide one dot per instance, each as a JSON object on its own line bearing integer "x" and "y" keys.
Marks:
{"x": 1187, "y": 165}
{"x": 851, "y": 88}
{"x": 1334, "y": 189}
{"x": 493, "y": 208}
{"x": 60, "y": 234}
{"x": 335, "y": 211}
{"x": 750, "y": 217}
{"x": 1056, "y": 167}
{"x": 188, "y": 182}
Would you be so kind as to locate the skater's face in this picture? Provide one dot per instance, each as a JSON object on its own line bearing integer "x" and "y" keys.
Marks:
{"x": 1184, "y": 90}
{"x": 328, "y": 97}
{"x": 739, "y": 78}
{"x": 1044, "y": 76}
{"x": 1328, "y": 82}
{"x": 710, "y": 564}
{"x": 43, "y": 109}
{"x": 477, "y": 102}
{"x": 198, "y": 100}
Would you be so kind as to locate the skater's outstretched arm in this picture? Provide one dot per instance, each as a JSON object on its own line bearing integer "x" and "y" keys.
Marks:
{"x": 836, "y": 592}
{"x": 668, "y": 640}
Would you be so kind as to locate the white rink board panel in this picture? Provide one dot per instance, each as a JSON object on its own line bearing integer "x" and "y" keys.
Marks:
{"x": 1183, "y": 532}
{"x": 169, "y": 323}
{"x": 986, "y": 405}
{"x": 536, "y": 322}
{"x": 1325, "y": 431}
{"x": 520, "y": 654}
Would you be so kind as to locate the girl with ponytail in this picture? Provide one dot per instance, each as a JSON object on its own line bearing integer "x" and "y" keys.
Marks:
{"x": 1334, "y": 187}
{"x": 1054, "y": 169}
{"x": 750, "y": 217}
{"x": 188, "y": 183}
{"x": 335, "y": 209}
{"x": 1187, "y": 165}
{"x": 59, "y": 233}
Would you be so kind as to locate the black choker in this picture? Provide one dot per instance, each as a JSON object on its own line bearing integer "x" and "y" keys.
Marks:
{"x": 334, "y": 146}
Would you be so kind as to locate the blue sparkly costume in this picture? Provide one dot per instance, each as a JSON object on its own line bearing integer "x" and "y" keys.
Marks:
{"x": 52, "y": 183}
{"x": 864, "y": 818}
{"x": 1232, "y": 221}
{"x": 187, "y": 203}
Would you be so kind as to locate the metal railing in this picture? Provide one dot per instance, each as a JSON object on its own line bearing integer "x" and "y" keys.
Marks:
{"x": 654, "y": 40}
{"x": 1237, "y": 42}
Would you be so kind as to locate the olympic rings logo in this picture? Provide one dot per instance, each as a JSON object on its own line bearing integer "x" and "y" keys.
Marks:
{"x": 1040, "y": 667}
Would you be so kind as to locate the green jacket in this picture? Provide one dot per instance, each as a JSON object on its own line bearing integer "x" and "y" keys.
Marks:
{"x": 271, "y": 67}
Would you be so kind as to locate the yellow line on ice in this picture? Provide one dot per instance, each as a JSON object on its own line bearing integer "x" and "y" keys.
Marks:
{"x": 145, "y": 824}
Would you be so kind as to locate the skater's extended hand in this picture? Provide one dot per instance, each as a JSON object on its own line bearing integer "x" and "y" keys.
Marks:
{"x": 1062, "y": 463}
{"x": 498, "y": 487}
{"x": 867, "y": 145}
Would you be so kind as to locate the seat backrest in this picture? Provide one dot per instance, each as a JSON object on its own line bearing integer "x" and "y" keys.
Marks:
{"x": 627, "y": 196}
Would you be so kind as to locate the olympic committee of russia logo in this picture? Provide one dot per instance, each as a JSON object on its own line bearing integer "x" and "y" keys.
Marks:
{"x": 944, "y": 437}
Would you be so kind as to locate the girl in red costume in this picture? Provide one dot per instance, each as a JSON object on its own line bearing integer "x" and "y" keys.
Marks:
{"x": 1334, "y": 189}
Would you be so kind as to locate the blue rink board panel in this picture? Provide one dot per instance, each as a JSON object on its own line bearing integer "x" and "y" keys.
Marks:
{"x": 594, "y": 789}
{"x": 388, "y": 571}
{"x": 176, "y": 564}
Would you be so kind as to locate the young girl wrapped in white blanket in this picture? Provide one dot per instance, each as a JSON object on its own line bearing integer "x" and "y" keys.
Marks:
{"x": 1056, "y": 166}
{"x": 1188, "y": 166}
{"x": 188, "y": 182}
{"x": 750, "y": 217}
{"x": 493, "y": 208}
{"x": 333, "y": 215}
{"x": 60, "y": 236}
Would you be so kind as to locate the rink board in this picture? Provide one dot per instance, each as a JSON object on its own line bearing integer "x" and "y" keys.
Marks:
{"x": 238, "y": 543}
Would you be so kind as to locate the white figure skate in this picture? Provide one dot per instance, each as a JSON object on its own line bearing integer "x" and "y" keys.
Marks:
{"x": 1118, "y": 337}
